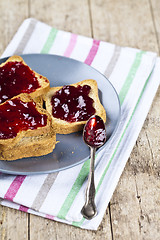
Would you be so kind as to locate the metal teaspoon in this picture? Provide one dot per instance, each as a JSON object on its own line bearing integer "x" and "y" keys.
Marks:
{"x": 94, "y": 135}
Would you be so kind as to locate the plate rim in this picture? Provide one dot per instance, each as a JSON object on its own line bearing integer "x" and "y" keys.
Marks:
{"x": 12, "y": 172}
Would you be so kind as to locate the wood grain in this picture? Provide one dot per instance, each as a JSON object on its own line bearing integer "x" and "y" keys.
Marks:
{"x": 155, "y": 8}
{"x": 12, "y": 15}
{"x": 69, "y": 15}
{"x": 46, "y": 229}
{"x": 13, "y": 224}
{"x": 125, "y": 23}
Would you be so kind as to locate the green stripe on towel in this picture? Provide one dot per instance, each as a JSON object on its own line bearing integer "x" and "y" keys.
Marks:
{"x": 74, "y": 190}
{"x": 131, "y": 76}
{"x": 49, "y": 41}
{"x": 79, "y": 181}
{"x": 78, "y": 224}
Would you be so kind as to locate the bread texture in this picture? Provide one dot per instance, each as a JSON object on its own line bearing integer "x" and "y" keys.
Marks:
{"x": 29, "y": 147}
{"x": 31, "y": 142}
{"x": 64, "y": 127}
{"x": 43, "y": 81}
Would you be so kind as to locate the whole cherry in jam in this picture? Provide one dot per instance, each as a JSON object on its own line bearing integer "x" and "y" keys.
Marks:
{"x": 73, "y": 104}
{"x": 16, "y": 116}
{"x": 16, "y": 78}
{"x": 94, "y": 133}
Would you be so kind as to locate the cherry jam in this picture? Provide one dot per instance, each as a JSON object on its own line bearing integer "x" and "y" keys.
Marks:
{"x": 94, "y": 133}
{"x": 73, "y": 104}
{"x": 16, "y": 78}
{"x": 16, "y": 115}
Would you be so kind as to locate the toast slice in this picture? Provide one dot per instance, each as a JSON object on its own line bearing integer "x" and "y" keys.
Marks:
{"x": 63, "y": 126}
{"x": 26, "y": 130}
{"x": 17, "y": 77}
{"x": 29, "y": 147}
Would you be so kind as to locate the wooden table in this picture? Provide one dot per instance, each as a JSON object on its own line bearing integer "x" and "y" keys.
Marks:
{"x": 134, "y": 210}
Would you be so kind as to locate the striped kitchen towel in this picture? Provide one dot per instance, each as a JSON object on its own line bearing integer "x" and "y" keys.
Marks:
{"x": 135, "y": 76}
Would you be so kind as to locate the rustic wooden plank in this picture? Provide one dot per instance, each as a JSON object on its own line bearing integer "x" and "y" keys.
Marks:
{"x": 155, "y": 8}
{"x": 69, "y": 15}
{"x": 125, "y": 208}
{"x": 149, "y": 153}
{"x": 133, "y": 212}
{"x": 47, "y": 229}
{"x": 134, "y": 215}
{"x": 13, "y": 224}
{"x": 125, "y": 23}
{"x": 12, "y": 15}
{"x": 135, "y": 205}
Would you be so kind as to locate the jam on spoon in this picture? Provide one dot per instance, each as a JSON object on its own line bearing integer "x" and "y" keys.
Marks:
{"x": 94, "y": 132}
{"x": 94, "y": 135}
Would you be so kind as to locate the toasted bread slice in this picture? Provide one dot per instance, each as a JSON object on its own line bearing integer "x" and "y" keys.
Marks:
{"x": 65, "y": 127}
{"x": 36, "y": 140}
{"x": 43, "y": 82}
{"x": 29, "y": 147}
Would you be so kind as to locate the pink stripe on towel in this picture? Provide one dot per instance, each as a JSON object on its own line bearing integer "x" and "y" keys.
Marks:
{"x": 14, "y": 187}
{"x": 71, "y": 45}
{"x": 49, "y": 217}
{"x": 92, "y": 52}
{"x": 23, "y": 208}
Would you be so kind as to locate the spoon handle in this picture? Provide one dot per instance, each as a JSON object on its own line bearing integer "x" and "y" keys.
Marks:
{"x": 89, "y": 208}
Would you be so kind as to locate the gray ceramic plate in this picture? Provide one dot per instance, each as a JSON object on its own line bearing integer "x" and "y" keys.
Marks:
{"x": 71, "y": 150}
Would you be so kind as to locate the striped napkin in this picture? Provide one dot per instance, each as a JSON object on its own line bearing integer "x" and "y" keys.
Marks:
{"x": 135, "y": 76}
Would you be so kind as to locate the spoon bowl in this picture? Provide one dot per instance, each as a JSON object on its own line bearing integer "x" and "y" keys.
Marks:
{"x": 94, "y": 135}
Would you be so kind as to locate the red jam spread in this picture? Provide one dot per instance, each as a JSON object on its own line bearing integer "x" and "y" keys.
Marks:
{"x": 73, "y": 104}
{"x": 16, "y": 115}
{"x": 16, "y": 78}
{"x": 94, "y": 132}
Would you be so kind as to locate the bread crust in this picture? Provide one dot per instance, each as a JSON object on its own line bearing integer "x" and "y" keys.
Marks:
{"x": 64, "y": 127}
{"x": 43, "y": 81}
{"x": 37, "y": 148}
{"x": 29, "y": 143}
